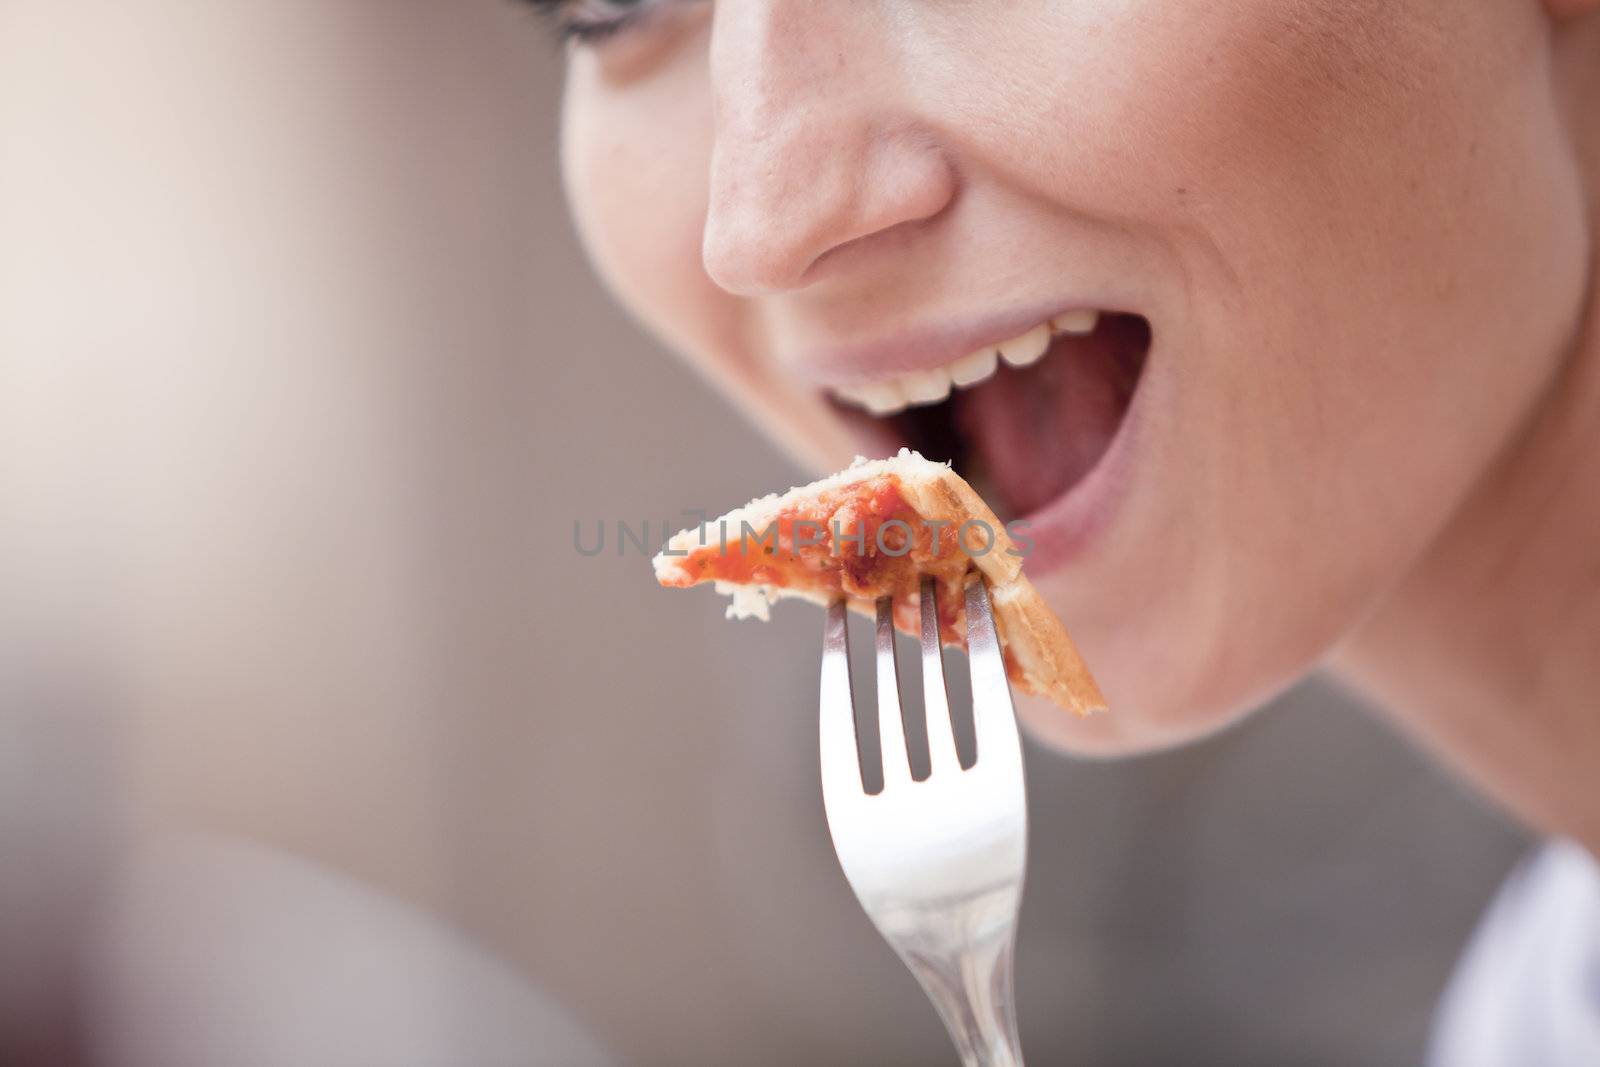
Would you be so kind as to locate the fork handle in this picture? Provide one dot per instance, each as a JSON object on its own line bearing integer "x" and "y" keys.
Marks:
{"x": 974, "y": 993}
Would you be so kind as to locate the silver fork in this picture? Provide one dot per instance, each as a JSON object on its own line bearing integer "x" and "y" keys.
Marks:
{"x": 938, "y": 863}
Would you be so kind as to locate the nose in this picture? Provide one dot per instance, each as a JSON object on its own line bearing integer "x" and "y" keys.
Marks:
{"x": 814, "y": 148}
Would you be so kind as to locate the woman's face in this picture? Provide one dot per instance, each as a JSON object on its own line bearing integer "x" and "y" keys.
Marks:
{"x": 1341, "y": 238}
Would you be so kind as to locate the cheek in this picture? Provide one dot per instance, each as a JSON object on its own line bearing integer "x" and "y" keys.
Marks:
{"x": 1389, "y": 282}
{"x": 635, "y": 166}
{"x": 1374, "y": 221}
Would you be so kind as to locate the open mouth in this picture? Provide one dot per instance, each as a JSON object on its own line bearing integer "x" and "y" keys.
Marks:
{"x": 1024, "y": 420}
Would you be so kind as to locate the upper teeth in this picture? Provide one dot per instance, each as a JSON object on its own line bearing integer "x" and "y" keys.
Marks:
{"x": 895, "y": 394}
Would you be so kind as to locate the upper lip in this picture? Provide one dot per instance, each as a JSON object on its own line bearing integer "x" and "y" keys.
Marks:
{"x": 922, "y": 346}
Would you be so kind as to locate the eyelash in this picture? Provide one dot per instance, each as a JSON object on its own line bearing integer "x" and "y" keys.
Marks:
{"x": 577, "y": 20}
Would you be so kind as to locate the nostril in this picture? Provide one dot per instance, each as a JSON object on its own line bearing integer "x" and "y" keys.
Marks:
{"x": 776, "y": 215}
{"x": 753, "y": 256}
{"x": 769, "y": 216}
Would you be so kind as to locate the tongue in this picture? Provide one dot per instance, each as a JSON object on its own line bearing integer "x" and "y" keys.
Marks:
{"x": 1037, "y": 431}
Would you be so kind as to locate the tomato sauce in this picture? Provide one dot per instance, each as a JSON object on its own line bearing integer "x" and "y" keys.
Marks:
{"x": 862, "y": 541}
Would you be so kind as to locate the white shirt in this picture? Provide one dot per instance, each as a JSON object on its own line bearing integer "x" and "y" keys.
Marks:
{"x": 1527, "y": 992}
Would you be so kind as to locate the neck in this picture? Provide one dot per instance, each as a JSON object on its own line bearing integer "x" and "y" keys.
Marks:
{"x": 1489, "y": 651}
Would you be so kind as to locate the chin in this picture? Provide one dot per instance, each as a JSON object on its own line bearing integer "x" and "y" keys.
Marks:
{"x": 1166, "y": 686}
{"x": 1143, "y": 722}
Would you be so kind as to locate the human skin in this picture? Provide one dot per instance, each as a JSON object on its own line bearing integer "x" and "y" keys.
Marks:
{"x": 1361, "y": 230}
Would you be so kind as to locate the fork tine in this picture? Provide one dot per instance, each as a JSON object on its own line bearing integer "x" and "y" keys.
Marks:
{"x": 993, "y": 718}
{"x": 942, "y": 756}
{"x": 841, "y": 751}
{"x": 891, "y": 729}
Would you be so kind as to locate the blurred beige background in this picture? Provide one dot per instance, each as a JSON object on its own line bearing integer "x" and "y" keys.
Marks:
{"x": 320, "y": 743}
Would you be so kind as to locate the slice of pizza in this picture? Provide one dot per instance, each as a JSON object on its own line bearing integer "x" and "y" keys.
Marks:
{"x": 873, "y": 530}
